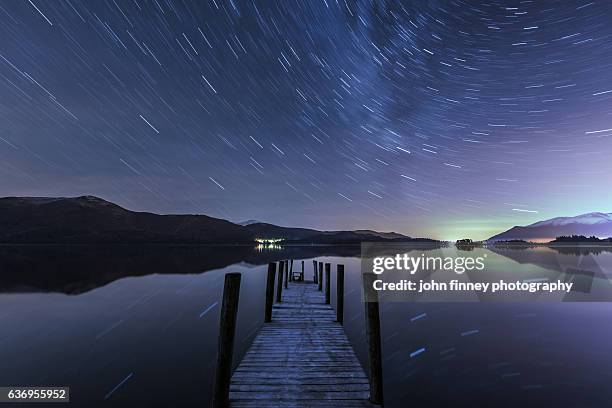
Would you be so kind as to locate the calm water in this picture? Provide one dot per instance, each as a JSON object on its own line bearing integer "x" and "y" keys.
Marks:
{"x": 138, "y": 327}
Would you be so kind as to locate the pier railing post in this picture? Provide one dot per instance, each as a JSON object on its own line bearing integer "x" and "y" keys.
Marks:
{"x": 270, "y": 291}
{"x": 279, "y": 283}
{"x": 286, "y": 275}
{"x": 227, "y": 333}
{"x": 320, "y": 278}
{"x": 327, "y": 283}
{"x": 372, "y": 325}
{"x": 314, "y": 268}
{"x": 340, "y": 294}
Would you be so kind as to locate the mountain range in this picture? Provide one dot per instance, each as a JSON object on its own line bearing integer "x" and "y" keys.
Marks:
{"x": 591, "y": 224}
{"x": 89, "y": 219}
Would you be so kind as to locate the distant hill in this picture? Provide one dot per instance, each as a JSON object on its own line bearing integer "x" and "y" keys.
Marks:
{"x": 580, "y": 239}
{"x": 349, "y": 237}
{"x": 305, "y": 235}
{"x": 264, "y": 230}
{"x": 385, "y": 235}
{"x": 591, "y": 224}
{"x": 90, "y": 219}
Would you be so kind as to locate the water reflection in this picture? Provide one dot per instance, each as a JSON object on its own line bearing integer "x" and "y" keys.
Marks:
{"x": 150, "y": 315}
{"x": 268, "y": 247}
{"x": 77, "y": 269}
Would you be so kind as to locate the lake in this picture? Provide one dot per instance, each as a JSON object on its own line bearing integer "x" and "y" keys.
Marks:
{"x": 137, "y": 326}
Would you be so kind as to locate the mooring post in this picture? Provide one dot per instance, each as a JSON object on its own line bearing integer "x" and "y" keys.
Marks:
{"x": 286, "y": 275}
{"x": 279, "y": 283}
{"x": 227, "y": 333}
{"x": 372, "y": 325}
{"x": 340, "y": 294}
{"x": 320, "y": 278}
{"x": 314, "y": 263}
{"x": 270, "y": 291}
{"x": 327, "y": 283}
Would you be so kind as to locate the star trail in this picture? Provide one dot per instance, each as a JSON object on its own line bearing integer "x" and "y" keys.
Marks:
{"x": 447, "y": 119}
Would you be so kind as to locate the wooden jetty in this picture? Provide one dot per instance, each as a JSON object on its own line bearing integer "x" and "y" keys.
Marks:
{"x": 301, "y": 357}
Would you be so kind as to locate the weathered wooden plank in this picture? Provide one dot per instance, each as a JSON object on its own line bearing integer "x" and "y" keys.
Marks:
{"x": 294, "y": 404}
{"x": 299, "y": 381}
{"x": 300, "y": 370}
{"x": 304, "y": 353}
{"x": 302, "y": 360}
{"x": 302, "y": 365}
{"x": 300, "y": 395}
{"x": 303, "y": 344}
{"x": 271, "y": 353}
{"x": 241, "y": 375}
{"x": 302, "y": 341}
{"x": 297, "y": 388}
{"x": 346, "y": 353}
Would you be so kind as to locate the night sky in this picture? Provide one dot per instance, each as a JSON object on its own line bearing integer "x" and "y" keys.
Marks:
{"x": 445, "y": 119}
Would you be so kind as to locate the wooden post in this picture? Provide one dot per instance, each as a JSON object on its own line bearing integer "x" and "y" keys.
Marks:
{"x": 286, "y": 275}
{"x": 314, "y": 263}
{"x": 227, "y": 332}
{"x": 270, "y": 291}
{"x": 302, "y": 270}
{"x": 320, "y": 278}
{"x": 340, "y": 294}
{"x": 372, "y": 325}
{"x": 279, "y": 283}
{"x": 327, "y": 283}
{"x": 288, "y": 270}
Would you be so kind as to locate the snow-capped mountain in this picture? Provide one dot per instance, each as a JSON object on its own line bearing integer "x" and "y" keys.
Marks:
{"x": 587, "y": 219}
{"x": 596, "y": 223}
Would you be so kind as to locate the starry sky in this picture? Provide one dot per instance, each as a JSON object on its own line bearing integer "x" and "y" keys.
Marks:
{"x": 445, "y": 119}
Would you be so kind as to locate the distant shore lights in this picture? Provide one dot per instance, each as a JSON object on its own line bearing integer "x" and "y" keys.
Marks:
{"x": 268, "y": 240}
{"x": 264, "y": 244}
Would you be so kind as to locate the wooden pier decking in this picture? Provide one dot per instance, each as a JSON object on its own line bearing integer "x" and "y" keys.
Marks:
{"x": 302, "y": 358}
